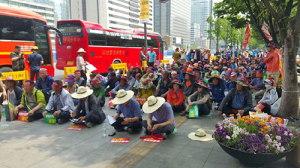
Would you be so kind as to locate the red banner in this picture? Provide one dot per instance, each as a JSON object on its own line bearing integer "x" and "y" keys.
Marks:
{"x": 247, "y": 35}
{"x": 264, "y": 28}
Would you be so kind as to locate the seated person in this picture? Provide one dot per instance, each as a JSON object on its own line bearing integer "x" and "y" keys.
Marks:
{"x": 153, "y": 77}
{"x": 136, "y": 85}
{"x": 180, "y": 75}
{"x": 163, "y": 113}
{"x": 130, "y": 78}
{"x": 197, "y": 76}
{"x": 257, "y": 84}
{"x": 270, "y": 96}
{"x": 238, "y": 100}
{"x": 130, "y": 108}
{"x": 233, "y": 78}
{"x": 163, "y": 85}
{"x": 201, "y": 98}
{"x": 44, "y": 83}
{"x": 218, "y": 88}
{"x": 33, "y": 101}
{"x": 14, "y": 92}
{"x": 227, "y": 79}
{"x": 72, "y": 86}
{"x": 109, "y": 71}
{"x": 147, "y": 72}
{"x": 175, "y": 96}
{"x": 189, "y": 83}
{"x": 110, "y": 84}
{"x": 88, "y": 109}
{"x": 98, "y": 90}
{"x": 174, "y": 76}
{"x": 60, "y": 103}
{"x": 123, "y": 85}
{"x": 78, "y": 79}
{"x": 145, "y": 90}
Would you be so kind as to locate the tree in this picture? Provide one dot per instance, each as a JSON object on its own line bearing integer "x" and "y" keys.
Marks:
{"x": 216, "y": 30}
{"x": 283, "y": 18}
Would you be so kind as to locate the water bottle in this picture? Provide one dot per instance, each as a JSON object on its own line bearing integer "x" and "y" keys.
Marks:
{"x": 104, "y": 130}
{"x": 213, "y": 105}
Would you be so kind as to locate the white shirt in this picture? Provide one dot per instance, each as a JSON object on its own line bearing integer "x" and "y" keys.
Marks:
{"x": 80, "y": 63}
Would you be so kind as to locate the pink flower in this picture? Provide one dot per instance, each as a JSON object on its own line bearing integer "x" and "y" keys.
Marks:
{"x": 278, "y": 138}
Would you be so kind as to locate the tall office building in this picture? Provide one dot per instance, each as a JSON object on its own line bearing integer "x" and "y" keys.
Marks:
{"x": 113, "y": 14}
{"x": 195, "y": 33}
{"x": 200, "y": 11}
{"x": 42, "y": 7}
{"x": 61, "y": 8}
{"x": 173, "y": 19}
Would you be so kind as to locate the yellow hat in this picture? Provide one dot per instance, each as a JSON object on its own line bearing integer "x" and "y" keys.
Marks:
{"x": 35, "y": 48}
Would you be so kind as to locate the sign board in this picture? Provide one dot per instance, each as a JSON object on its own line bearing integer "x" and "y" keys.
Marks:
{"x": 164, "y": 61}
{"x": 75, "y": 128}
{"x": 23, "y": 116}
{"x": 120, "y": 66}
{"x": 194, "y": 111}
{"x": 50, "y": 119}
{"x": 120, "y": 140}
{"x": 141, "y": 100}
{"x": 17, "y": 75}
{"x": 144, "y": 11}
{"x": 69, "y": 70}
{"x": 144, "y": 63}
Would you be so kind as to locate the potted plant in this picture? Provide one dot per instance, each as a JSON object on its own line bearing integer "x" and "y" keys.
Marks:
{"x": 254, "y": 140}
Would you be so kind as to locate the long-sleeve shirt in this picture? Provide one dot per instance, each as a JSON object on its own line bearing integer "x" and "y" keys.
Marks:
{"x": 201, "y": 98}
{"x": 65, "y": 99}
{"x": 273, "y": 63}
{"x": 131, "y": 81}
{"x": 270, "y": 96}
{"x": 118, "y": 87}
{"x": 44, "y": 86}
{"x": 80, "y": 63}
{"x": 175, "y": 98}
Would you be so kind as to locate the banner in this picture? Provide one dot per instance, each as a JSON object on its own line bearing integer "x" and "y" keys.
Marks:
{"x": 279, "y": 52}
{"x": 144, "y": 11}
{"x": 247, "y": 35}
{"x": 264, "y": 28}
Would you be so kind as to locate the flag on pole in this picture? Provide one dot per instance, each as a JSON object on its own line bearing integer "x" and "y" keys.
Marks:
{"x": 247, "y": 35}
{"x": 264, "y": 28}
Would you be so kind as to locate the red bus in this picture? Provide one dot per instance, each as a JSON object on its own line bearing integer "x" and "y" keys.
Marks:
{"x": 104, "y": 46}
{"x": 26, "y": 29}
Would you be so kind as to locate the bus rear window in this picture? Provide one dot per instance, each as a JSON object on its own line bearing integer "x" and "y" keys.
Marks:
{"x": 70, "y": 29}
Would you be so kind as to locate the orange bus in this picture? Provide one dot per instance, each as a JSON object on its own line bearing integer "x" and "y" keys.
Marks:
{"x": 103, "y": 46}
{"x": 26, "y": 29}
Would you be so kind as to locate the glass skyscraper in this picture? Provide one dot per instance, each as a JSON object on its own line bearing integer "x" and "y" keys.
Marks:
{"x": 200, "y": 11}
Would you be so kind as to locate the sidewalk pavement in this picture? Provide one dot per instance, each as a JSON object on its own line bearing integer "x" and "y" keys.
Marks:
{"x": 38, "y": 145}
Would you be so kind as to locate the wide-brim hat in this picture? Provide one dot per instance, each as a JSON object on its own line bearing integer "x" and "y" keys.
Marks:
{"x": 82, "y": 92}
{"x": 146, "y": 84}
{"x": 200, "y": 135}
{"x": 152, "y": 104}
{"x": 122, "y": 96}
{"x": 214, "y": 76}
{"x": 154, "y": 76}
{"x": 242, "y": 82}
{"x": 81, "y": 50}
{"x": 177, "y": 82}
{"x": 203, "y": 84}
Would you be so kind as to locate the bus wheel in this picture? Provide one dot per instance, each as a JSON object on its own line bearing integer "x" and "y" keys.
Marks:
{"x": 118, "y": 71}
{"x": 6, "y": 69}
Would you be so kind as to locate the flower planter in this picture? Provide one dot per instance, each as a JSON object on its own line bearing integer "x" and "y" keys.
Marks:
{"x": 251, "y": 159}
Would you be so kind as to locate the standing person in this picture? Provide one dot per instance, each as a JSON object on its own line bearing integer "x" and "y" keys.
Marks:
{"x": 163, "y": 113}
{"x": 183, "y": 55}
{"x": 80, "y": 63}
{"x": 18, "y": 60}
{"x": 44, "y": 83}
{"x": 60, "y": 103}
{"x": 35, "y": 61}
{"x": 130, "y": 108}
{"x": 142, "y": 56}
{"x": 88, "y": 108}
{"x": 176, "y": 55}
{"x": 152, "y": 57}
{"x": 32, "y": 101}
{"x": 272, "y": 61}
{"x": 206, "y": 56}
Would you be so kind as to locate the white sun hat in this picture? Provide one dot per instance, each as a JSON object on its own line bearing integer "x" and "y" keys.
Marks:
{"x": 82, "y": 92}
{"x": 122, "y": 96}
{"x": 200, "y": 135}
{"x": 81, "y": 50}
{"x": 152, "y": 104}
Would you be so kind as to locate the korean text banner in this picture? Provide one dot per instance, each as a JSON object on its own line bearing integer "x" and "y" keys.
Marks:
{"x": 144, "y": 11}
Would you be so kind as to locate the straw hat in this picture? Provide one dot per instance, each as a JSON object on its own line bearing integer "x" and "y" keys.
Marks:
{"x": 122, "y": 96}
{"x": 200, "y": 135}
{"x": 152, "y": 104}
{"x": 242, "y": 82}
{"x": 81, "y": 50}
{"x": 82, "y": 92}
{"x": 203, "y": 84}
